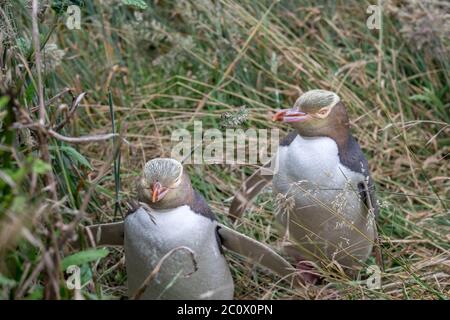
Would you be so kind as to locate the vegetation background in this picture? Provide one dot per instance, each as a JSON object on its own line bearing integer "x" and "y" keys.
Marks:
{"x": 158, "y": 65}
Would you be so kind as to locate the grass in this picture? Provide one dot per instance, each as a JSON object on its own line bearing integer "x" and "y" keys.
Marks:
{"x": 175, "y": 62}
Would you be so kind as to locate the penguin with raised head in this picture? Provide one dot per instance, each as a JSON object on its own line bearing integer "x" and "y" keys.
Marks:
{"x": 175, "y": 216}
{"x": 324, "y": 194}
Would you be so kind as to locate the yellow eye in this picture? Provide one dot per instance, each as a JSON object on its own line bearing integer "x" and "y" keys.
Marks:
{"x": 322, "y": 112}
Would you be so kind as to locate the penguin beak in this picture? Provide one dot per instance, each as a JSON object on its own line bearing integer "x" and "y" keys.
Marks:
{"x": 158, "y": 192}
{"x": 290, "y": 115}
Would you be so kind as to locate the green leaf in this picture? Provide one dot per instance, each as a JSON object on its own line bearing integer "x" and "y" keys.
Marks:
{"x": 19, "y": 204}
{"x": 30, "y": 93}
{"x": 85, "y": 274}
{"x": 41, "y": 167}
{"x": 140, "y": 4}
{"x": 6, "y": 282}
{"x": 37, "y": 294}
{"x": 3, "y": 101}
{"x": 23, "y": 44}
{"x": 73, "y": 154}
{"x": 82, "y": 257}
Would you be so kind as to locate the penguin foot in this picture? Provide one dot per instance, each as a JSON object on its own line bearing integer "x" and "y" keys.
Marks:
{"x": 306, "y": 271}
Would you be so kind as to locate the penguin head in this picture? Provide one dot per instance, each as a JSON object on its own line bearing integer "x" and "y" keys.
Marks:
{"x": 315, "y": 113}
{"x": 163, "y": 184}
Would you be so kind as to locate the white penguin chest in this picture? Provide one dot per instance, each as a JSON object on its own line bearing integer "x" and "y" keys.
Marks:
{"x": 315, "y": 163}
{"x": 149, "y": 236}
{"x": 174, "y": 227}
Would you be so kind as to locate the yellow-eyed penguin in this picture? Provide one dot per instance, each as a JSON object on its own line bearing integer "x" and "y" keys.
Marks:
{"x": 178, "y": 217}
{"x": 323, "y": 190}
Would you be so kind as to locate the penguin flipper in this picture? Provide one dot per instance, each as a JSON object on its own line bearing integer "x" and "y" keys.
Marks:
{"x": 256, "y": 251}
{"x": 368, "y": 197}
{"x": 248, "y": 191}
{"x": 109, "y": 234}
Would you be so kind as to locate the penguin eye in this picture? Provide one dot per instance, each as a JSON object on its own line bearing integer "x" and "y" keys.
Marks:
{"x": 322, "y": 112}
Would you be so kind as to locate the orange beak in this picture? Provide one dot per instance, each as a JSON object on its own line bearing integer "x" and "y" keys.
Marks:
{"x": 157, "y": 192}
{"x": 290, "y": 115}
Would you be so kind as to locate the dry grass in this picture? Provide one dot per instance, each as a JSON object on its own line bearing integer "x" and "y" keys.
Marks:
{"x": 196, "y": 60}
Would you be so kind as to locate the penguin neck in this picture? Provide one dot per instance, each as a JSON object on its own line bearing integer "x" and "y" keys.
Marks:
{"x": 337, "y": 128}
{"x": 340, "y": 135}
{"x": 342, "y": 140}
